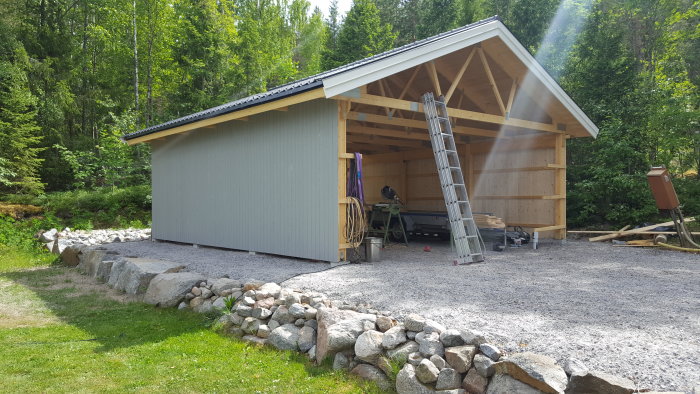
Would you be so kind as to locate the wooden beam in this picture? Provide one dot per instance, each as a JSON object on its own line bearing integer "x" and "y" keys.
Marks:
{"x": 560, "y": 185}
{"x": 550, "y": 197}
{"x": 357, "y": 129}
{"x": 511, "y": 97}
{"x": 383, "y": 92}
{"x": 418, "y": 124}
{"x": 283, "y": 109}
{"x": 375, "y": 140}
{"x": 434, "y": 76}
{"x": 458, "y": 78}
{"x": 343, "y": 108}
{"x": 409, "y": 83}
{"x": 284, "y": 102}
{"x": 634, "y": 231}
{"x": 518, "y": 169}
{"x": 557, "y": 227}
{"x": 380, "y": 101}
{"x": 492, "y": 82}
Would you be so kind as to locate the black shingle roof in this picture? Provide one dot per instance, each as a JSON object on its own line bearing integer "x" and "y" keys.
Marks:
{"x": 296, "y": 87}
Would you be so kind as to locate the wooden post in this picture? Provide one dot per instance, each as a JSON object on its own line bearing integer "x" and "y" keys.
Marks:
{"x": 343, "y": 108}
{"x": 560, "y": 186}
{"x": 404, "y": 181}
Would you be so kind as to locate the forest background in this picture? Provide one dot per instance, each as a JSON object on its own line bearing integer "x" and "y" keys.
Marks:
{"x": 76, "y": 75}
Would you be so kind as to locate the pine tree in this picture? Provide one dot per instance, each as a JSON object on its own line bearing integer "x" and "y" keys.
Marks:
{"x": 362, "y": 35}
{"x": 18, "y": 128}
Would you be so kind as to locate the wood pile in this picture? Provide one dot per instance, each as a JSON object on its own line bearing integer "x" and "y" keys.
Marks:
{"x": 488, "y": 221}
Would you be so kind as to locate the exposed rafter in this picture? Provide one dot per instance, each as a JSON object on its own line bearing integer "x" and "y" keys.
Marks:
{"x": 458, "y": 77}
{"x": 492, "y": 82}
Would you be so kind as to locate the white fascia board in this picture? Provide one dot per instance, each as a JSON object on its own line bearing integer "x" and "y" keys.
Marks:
{"x": 353, "y": 79}
{"x": 391, "y": 65}
{"x": 536, "y": 69}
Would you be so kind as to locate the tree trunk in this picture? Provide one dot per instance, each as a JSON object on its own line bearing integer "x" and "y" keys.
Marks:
{"x": 136, "y": 63}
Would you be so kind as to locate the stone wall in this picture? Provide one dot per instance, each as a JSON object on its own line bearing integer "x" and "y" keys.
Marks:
{"x": 416, "y": 355}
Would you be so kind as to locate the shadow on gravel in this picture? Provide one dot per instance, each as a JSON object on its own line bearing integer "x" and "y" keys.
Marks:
{"x": 111, "y": 323}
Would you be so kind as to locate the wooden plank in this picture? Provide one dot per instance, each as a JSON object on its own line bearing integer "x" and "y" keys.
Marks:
{"x": 492, "y": 82}
{"x": 372, "y": 139}
{"x": 458, "y": 77}
{"x": 417, "y": 124}
{"x": 560, "y": 185}
{"x": 511, "y": 97}
{"x": 508, "y": 170}
{"x": 549, "y": 228}
{"x": 616, "y": 231}
{"x": 389, "y": 102}
{"x": 357, "y": 129}
{"x": 549, "y": 197}
{"x": 634, "y": 231}
{"x": 285, "y": 102}
{"x": 434, "y": 77}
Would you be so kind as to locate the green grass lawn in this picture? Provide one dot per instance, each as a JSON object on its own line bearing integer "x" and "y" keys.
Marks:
{"x": 57, "y": 336}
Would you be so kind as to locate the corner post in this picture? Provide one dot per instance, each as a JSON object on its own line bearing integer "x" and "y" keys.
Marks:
{"x": 560, "y": 186}
{"x": 343, "y": 109}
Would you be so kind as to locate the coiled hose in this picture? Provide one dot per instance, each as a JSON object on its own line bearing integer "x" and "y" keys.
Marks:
{"x": 355, "y": 225}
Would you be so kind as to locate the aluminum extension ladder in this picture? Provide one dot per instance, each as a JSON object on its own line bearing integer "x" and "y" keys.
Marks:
{"x": 464, "y": 231}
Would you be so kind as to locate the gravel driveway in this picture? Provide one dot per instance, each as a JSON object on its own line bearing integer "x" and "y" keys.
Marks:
{"x": 633, "y": 312}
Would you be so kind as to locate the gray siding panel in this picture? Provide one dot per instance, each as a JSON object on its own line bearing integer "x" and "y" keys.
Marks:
{"x": 268, "y": 185}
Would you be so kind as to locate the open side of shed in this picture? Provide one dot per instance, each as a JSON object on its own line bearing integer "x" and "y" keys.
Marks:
{"x": 268, "y": 173}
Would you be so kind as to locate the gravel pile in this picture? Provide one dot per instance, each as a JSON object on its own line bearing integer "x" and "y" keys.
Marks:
{"x": 632, "y": 312}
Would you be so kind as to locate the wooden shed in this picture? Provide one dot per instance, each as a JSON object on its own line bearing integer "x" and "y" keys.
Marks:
{"x": 267, "y": 173}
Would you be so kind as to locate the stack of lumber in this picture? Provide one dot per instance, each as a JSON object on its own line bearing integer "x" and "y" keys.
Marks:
{"x": 488, "y": 221}
{"x": 623, "y": 232}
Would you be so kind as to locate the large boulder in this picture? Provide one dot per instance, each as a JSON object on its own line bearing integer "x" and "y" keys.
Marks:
{"x": 504, "y": 384}
{"x": 219, "y": 286}
{"x": 431, "y": 345}
{"x": 104, "y": 269}
{"x": 167, "y": 290}
{"x": 448, "y": 379}
{"x": 393, "y": 337}
{"x": 90, "y": 259}
{"x": 132, "y": 275}
{"x": 368, "y": 346}
{"x": 596, "y": 382}
{"x": 251, "y": 325}
{"x": 71, "y": 255}
{"x": 484, "y": 365}
{"x": 536, "y": 370}
{"x": 307, "y": 338}
{"x": 408, "y": 383}
{"x": 460, "y": 357}
{"x": 474, "y": 383}
{"x": 427, "y": 372}
{"x": 451, "y": 338}
{"x": 338, "y": 330}
{"x": 370, "y": 372}
{"x": 285, "y": 337}
{"x": 48, "y": 236}
{"x": 268, "y": 290}
{"x": 414, "y": 322}
{"x": 401, "y": 352}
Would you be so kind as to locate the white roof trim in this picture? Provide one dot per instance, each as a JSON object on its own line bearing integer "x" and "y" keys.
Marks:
{"x": 362, "y": 75}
